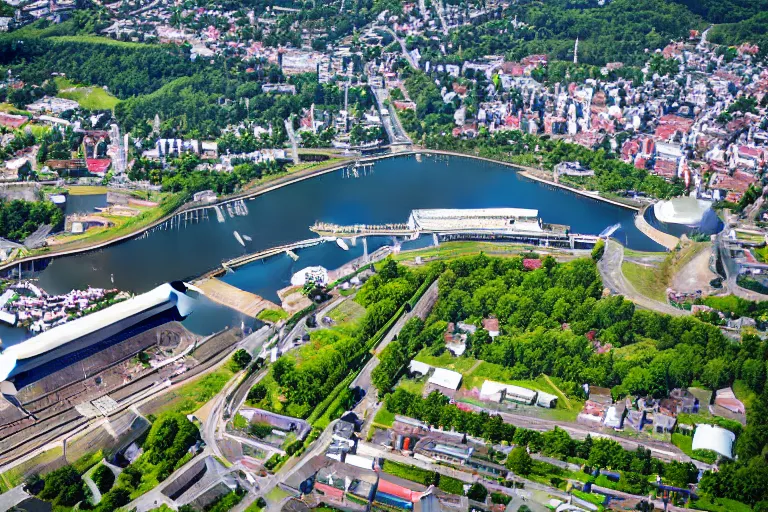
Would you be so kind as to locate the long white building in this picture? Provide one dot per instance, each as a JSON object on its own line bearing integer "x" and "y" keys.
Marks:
{"x": 72, "y": 337}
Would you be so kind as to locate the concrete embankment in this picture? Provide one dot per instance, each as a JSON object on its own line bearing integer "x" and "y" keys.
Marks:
{"x": 665, "y": 239}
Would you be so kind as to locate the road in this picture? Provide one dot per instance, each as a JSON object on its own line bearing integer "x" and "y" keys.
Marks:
{"x": 659, "y": 449}
{"x": 421, "y": 310}
{"x": 389, "y": 118}
{"x": 404, "y": 48}
{"x": 614, "y": 280}
{"x": 9, "y": 499}
{"x": 732, "y": 273}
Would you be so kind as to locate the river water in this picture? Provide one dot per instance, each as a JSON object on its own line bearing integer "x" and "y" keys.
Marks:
{"x": 388, "y": 194}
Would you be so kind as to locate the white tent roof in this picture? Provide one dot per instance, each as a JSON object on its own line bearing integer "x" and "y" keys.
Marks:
{"x": 63, "y": 334}
{"x": 717, "y": 439}
{"x": 418, "y": 366}
{"x": 491, "y": 389}
{"x": 446, "y": 379}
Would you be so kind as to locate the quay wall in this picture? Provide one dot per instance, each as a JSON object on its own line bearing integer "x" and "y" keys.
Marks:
{"x": 665, "y": 239}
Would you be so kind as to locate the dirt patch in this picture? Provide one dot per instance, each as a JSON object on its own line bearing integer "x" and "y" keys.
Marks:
{"x": 695, "y": 274}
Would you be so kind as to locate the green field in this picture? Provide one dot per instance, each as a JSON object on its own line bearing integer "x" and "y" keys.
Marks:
{"x": 98, "y": 40}
{"x": 652, "y": 278}
{"x": 272, "y": 315}
{"x": 720, "y": 505}
{"x": 347, "y": 312}
{"x": 384, "y": 418}
{"x": 89, "y": 97}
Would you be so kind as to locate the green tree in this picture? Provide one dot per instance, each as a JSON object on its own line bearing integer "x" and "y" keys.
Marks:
{"x": 241, "y": 359}
{"x": 519, "y": 461}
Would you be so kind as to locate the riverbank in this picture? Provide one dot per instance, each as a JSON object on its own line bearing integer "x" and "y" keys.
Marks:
{"x": 670, "y": 242}
{"x": 534, "y": 174}
{"x": 272, "y": 185}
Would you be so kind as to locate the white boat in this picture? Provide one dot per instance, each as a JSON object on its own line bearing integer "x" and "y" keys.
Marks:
{"x": 341, "y": 243}
{"x": 229, "y": 210}
{"x": 247, "y": 238}
{"x": 239, "y": 239}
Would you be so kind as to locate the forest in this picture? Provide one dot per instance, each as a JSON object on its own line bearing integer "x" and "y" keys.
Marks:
{"x": 19, "y": 218}
{"x": 620, "y": 30}
{"x": 307, "y": 375}
{"x": 551, "y": 320}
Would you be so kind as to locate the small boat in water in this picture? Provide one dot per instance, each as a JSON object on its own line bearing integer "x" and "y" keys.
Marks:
{"x": 341, "y": 243}
{"x": 239, "y": 239}
{"x": 247, "y": 238}
{"x": 229, "y": 210}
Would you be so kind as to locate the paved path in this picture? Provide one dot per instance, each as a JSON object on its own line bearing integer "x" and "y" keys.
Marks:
{"x": 10, "y": 499}
{"x": 87, "y": 478}
{"x": 661, "y": 238}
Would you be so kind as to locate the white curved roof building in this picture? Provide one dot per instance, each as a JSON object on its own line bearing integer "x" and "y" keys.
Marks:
{"x": 84, "y": 332}
{"x": 717, "y": 439}
{"x": 684, "y": 210}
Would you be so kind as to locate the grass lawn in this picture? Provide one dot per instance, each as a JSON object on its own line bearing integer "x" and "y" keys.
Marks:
{"x": 272, "y": 315}
{"x": 743, "y": 393}
{"x": 276, "y": 495}
{"x": 653, "y": 279}
{"x": 122, "y": 226}
{"x": 384, "y": 418}
{"x": 193, "y": 395}
{"x": 446, "y": 360}
{"x": 685, "y": 443}
{"x": 87, "y": 461}
{"x": 720, "y": 505}
{"x": 348, "y": 312}
{"x": 645, "y": 279}
{"x": 15, "y": 475}
{"x": 412, "y": 386}
{"x": 86, "y": 190}
{"x": 450, "y": 250}
{"x": 7, "y": 107}
{"x": 98, "y": 40}
{"x": 89, "y": 97}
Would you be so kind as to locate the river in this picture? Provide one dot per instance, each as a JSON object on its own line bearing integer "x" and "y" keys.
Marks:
{"x": 388, "y": 194}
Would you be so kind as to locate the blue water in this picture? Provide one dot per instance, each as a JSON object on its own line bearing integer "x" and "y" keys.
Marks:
{"x": 396, "y": 186}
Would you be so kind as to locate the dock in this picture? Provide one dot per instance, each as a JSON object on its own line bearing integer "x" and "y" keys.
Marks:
{"x": 501, "y": 224}
{"x": 245, "y": 302}
{"x": 273, "y": 251}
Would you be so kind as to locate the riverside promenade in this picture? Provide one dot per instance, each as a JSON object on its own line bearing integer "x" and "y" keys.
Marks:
{"x": 668, "y": 241}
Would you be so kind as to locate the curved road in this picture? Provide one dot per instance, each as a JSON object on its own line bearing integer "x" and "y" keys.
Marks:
{"x": 614, "y": 280}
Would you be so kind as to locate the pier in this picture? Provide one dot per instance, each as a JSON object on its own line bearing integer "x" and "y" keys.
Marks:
{"x": 245, "y": 302}
{"x": 249, "y": 258}
{"x": 502, "y": 224}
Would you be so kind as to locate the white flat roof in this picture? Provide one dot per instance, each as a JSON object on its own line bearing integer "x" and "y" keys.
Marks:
{"x": 418, "y": 366}
{"x": 490, "y": 388}
{"x": 445, "y": 379}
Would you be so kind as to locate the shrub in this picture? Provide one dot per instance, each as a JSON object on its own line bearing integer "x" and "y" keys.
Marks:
{"x": 63, "y": 487}
{"x": 451, "y": 485}
{"x": 477, "y": 493}
{"x": 103, "y": 478}
{"x": 598, "y": 250}
{"x": 241, "y": 359}
{"x": 499, "y": 498}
